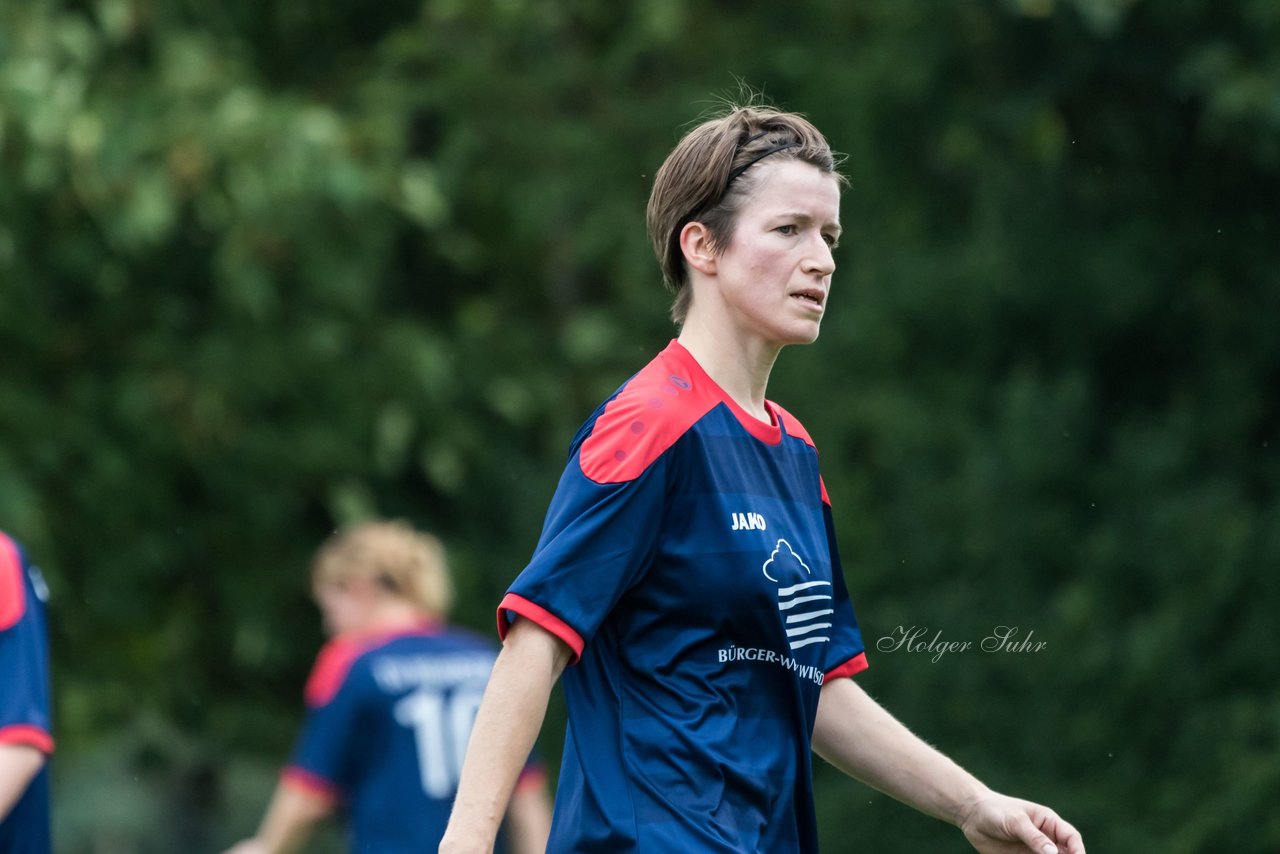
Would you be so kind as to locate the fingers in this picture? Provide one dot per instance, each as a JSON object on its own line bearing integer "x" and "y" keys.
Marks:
{"x": 1061, "y": 835}
{"x": 1068, "y": 837}
{"x": 1032, "y": 837}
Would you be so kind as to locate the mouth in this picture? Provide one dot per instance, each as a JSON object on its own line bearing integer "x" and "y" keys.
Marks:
{"x": 815, "y": 297}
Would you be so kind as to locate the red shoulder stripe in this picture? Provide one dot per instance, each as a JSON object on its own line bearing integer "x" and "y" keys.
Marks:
{"x": 652, "y": 411}
{"x": 13, "y": 593}
{"x": 792, "y": 425}
{"x": 338, "y": 655}
{"x": 331, "y": 669}
{"x": 794, "y": 428}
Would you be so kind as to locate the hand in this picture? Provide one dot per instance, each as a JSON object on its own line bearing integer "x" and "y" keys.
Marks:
{"x": 451, "y": 845}
{"x": 248, "y": 846}
{"x": 997, "y": 824}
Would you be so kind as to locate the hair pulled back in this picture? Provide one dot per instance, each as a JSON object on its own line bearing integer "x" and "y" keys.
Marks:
{"x": 708, "y": 176}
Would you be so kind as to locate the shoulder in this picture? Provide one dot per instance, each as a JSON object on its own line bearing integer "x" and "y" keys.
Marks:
{"x": 13, "y": 591}
{"x": 644, "y": 419}
{"x": 333, "y": 666}
{"x": 792, "y": 427}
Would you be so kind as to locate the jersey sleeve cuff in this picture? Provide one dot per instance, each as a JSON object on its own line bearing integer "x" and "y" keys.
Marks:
{"x": 32, "y": 736}
{"x": 513, "y": 605}
{"x": 531, "y": 777}
{"x": 312, "y": 784}
{"x": 852, "y": 667}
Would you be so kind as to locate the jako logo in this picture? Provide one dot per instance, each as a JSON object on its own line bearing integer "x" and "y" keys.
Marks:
{"x": 747, "y": 522}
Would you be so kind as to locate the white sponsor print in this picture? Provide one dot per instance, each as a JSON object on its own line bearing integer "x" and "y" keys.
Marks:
{"x": 748, "y": 522}
{"x": 733, "y": 653}
{"x": 804, "y": 603}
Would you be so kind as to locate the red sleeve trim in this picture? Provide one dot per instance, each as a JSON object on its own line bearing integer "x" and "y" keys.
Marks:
{"x": 532, "y": 777}
{"x": 520, "y": 606}
{"x": 13, "y": 594}
{"x": 852, "y": 667}
{"x": 312, "y": 784}
{"x": 32, "y": 736}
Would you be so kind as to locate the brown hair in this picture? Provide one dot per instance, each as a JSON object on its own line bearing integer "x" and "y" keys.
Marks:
{"x": 403, "y": 561}
{"x": 708, "y": 177}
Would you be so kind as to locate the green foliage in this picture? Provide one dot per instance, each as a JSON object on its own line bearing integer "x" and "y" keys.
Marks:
{"x": 266, "y": 267}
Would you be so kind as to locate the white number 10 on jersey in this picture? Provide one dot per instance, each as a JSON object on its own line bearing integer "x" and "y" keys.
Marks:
{"x": 441, "y": 724}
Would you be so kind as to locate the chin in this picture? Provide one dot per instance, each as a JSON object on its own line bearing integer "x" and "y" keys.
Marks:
{"x": 800, "y": 336}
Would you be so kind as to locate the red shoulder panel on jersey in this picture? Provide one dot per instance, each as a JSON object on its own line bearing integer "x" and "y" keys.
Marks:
{"x": 31, "y": 736}
{"x": 794, "y": 428}
{"x": 852, "y": 667}
{"x": 792, "y": 425}
{"x": 13, "y": 594}
{"x": 331, "y": 669}
{"x": 649, "y": 415}
{"x": 336, "y": 657}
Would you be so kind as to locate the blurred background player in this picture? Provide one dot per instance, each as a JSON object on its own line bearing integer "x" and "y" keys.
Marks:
{"x": 25, "y": 741}
{"x": 390, "y": 701}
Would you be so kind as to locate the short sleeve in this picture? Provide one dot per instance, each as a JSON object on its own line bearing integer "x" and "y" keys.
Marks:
{"x": 597, "y": 540}
{"x": 846, "y": 655}
{"x": 323, "y": 756}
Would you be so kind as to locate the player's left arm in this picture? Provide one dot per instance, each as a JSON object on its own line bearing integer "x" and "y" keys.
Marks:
{"x": 19, "y": 765}
{"x": 857, "y": 735}
{"x": 293, "y": 812}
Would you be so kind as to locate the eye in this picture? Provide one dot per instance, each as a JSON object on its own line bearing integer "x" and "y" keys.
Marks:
{"x": 786, "y": 229}
{"x": 832, "y": 240}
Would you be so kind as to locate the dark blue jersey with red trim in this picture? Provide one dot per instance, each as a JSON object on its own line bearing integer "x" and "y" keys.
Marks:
{"x": 24, "y": 699}
{"x": 387, "y": 726}
{"x": 688, "y": 560}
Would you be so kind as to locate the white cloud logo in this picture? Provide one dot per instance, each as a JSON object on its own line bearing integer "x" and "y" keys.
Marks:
{"x": 809, "y": 600}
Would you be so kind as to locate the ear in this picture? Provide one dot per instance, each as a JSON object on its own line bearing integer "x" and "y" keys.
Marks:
{"x": 695, "y": 243}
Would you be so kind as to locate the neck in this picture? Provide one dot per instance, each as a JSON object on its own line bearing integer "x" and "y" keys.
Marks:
{"x": 738, "y": 364}
{"x": 391, "y": 615}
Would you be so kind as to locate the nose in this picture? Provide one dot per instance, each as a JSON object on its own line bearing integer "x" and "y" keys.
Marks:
{"x": 820, "y": 260}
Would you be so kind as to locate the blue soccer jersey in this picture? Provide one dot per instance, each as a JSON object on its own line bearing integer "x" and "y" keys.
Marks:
{"x": 24, "y": 699}
{"x": 386, "y": 730}
{"x": 688, "y": 560}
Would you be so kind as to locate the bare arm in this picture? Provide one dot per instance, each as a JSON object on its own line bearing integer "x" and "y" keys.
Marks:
{"x": 529, "y": 819}
{"x": 507, "y": 724}
{"x": 854, "y": 733}
{"x": 289, "y": 820}
{"x": 19, "y": 765}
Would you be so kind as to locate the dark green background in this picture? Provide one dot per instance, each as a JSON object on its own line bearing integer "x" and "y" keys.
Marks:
{"x": 267, "y": 266}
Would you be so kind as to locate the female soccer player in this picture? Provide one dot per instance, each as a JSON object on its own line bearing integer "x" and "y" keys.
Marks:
{"x": 390, "y": 705}
{"x": 687, "y": 569}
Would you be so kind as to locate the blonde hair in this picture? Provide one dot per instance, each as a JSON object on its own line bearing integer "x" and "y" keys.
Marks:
{"x": 405, "y": 562}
